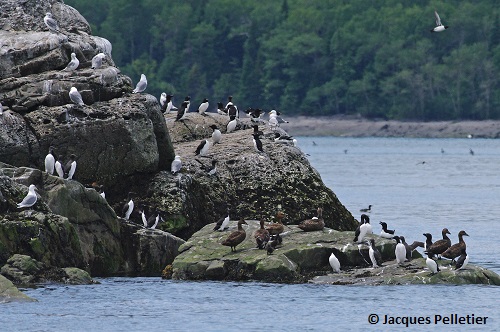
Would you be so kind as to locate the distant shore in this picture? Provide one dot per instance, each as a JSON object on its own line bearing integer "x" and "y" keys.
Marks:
{"x": 358, "y": 127}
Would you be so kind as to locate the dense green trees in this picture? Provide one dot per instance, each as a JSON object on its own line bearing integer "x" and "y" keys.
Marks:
{"x": 374, "y": 58}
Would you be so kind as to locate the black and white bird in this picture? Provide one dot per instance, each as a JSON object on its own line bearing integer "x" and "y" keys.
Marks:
{"x": 203, "y": 107}
{"x": 76, "y": 97}
{"x": 229, "y": 102}
{"x": 431, "y": 264}
{"x": 141, "y": 85}
{"x": 232, "y": 111}
{"x": 374, "y": 253}
{"x": 97, "y": 60}
{"x": 463, "y": 260}
{"x": 366, "y": 210}
{"x": 50, "y": 161}
{"x": 163, "y": 100}
{"x": 232, "y": 124}
{"x": 176, "y": 165}
{"x": 257, "y": 131}
{"x": 71, "y": 167}
{"x": 439, "y": 26}
{"x": 220, "y": 109}
{"x": 365, "y": 228}
{"x": 400, "y": 251}
{"x": 203, "y": 147}
{"x": 222, "y": 223}
{"x": 59, "y": 169}
{"x": 168, "y": 105}
{"x": 428, "y": 241}
{"x": 30, "y": 199}
{"x": 181, "y": 112}
{"x": 257, "y": 143}
{"x": 144, "y": 219}
{"x": 334, "y": 263}
{"x": 51, "y": 23}
{"x": 358, "y": 230}
{"x": 386, "y": 233}
{"x": 282, "y": 138}
{"x": 73, "y": 64}
{"x": 128, "y": 208}
{"x": 211, "y": 170}
{"x": 188, "y": 100}
{"x": 216, "y": 134}
{"x": 154, "y": 220}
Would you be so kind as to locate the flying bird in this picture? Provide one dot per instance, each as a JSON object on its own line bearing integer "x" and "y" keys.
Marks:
{"x": 439, "y": 26}
{"x": 30, "y": 199}
{"x": 76, "y": 97}
{"x": 141, "y": 85}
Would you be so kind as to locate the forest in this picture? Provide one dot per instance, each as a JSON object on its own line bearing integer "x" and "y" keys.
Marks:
{"x": 375, "y": 59}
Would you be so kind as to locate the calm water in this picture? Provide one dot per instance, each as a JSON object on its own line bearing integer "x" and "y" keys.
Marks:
{"x": 453, "y": 189}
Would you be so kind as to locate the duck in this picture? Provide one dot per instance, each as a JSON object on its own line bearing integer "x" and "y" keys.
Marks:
{"x": 276, "y": 227}
{"x": 366, "y": 210}
{"x": 431, "y": 264}
{"x": 375, "y": 255}
{"x": 439, "y": 26}
{"x": 400, "y": 250}
{"x": 314, "y": 224}
{"x": 463, "y": 260}
{"x": 364, "y": 229}
{"x": 274, "y": 241}
{"x": 334, "y": 263}
{"x": 440, "y": 246}
{"x": 236, "y": 237}
{"x": 261, "y": 236}
{"x": 455, "y": 250}
{"x": 386, "y": 233}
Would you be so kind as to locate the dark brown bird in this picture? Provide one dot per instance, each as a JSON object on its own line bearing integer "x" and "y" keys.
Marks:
{"x": 314, "y": 224}
{"x": 440, "y": 246}
{"x": 455, "y": 250}
{"x": 276, "y": 227}
{"x": 261, "y": 236}
{"x": 236, "y": 237}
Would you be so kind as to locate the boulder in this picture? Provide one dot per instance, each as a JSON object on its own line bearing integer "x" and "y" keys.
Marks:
{"x": 10, "y": 293}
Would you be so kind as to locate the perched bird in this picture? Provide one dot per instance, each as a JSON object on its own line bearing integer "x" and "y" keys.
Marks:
{"x": 365, "y": 228}
{"x": 440, "y": 246}
{"x": 274, "y": 241}
{"x": 386, "y": 233}
{"x": 71, "y": 167}
{"x": 281, "y": 138}
{"x": 163, "y": 100}
{"x": 257, "y": 143}
{"x": 216, "y": 134}
{"x": 374, "y": 253}
{"x": 431, "y": 264}
{"x": 211, "y": 170}
{"x": 314, "y": 224}
{"x": 59, "y": 169}
{"x": 153, "y": 221}
{"x": 232, "y": 111}
{"x": 50, "y": 161}
{"x": 141, "y": 85}
{"x": 366, "y": 210}
{"x": 143, "y": 217}
{"x": 407, "y": 248}
{"x": 231, "y": 125}
{"x": 1, "y": 109}
{"x": 229, "y": 102}
{"x": 256, "y": 130}
{"x": 30, "y": 199}
{"x": 203, "y": 147}
{"x": 236, "y": 237}
{"x": 73, "y": 64}
{"x": 222, "y": 223}
{"x": 97, "y": 60}
{"x": 358, "y": 230}
{"x": 220, "y": 109}
{"x": 439, "y": 26}
{"x": 334, "y": 263}
{"x": 181, "y": 112}
{"x": 276, "y": 227}
{"x": 455, "y": 250}
{"x": 203, "y": 107}
{"x": 400, "y": 251}
{"x": 76, "y": 97}
{"x": 188, "y": 100}
{"x": 168, "y": 104}
{"x": 463, "y": 260}
{"x": 428, "y": 240}
{"x": 51, "y": 23}
{"x": 261, "y": 236}
{"x": 176, "y": 165}
{"x": 128, "y": 207}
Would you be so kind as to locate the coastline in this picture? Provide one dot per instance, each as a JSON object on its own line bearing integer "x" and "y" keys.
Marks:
{"x": 359, "y": 127}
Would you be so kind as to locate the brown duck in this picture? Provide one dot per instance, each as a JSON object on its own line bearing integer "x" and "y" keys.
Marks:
{"x": 236, "y": 237}
{"x": 261, "y": 236}
{"x": 455, "y": 250}
{"x": 440, "y": 246}
{"x": 276, "y": 227}
{"x": 314, "y": 224}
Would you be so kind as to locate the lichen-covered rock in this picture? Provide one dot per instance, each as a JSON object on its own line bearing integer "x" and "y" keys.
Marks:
{"x": 76, "y": 276}
{"x": 10, "y": 293}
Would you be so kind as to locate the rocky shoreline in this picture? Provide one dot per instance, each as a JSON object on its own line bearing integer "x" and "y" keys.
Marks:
{"x": 359, "y": 127}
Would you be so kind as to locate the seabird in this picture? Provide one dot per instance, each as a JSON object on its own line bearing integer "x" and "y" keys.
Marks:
{"x": 407, "y": 248}
{"x": 261, "y": 236}
{"x": 71, "y": 166}
{"x": 181, "y": 112}
{"x": 188, "y": 100}
{"x": 51, "y": 23}
{"x": 97, "y": 60}
{"x": 428, "y": 240}
{"x": 400, "y": 251}
{"x": 463, "y": 260}
{"x": 73, "y": 64}
{"x": 128, "y": 208}
{"x": 168, "y": 105}
{"x": 455, "y": 250}
{"x": 76, "y": 97}
{"x": 365, "y": 228}
{"x": 211, "y": 170}
{"x": 176, "y": 165}
{"x": 314, "y": 224}
{"x": 232, "y": 111}
{"x": 281, "y": 138}
{"x": 256, "y": 130}
{"x": 334, "y": 263}
{"x": 163, "y": 99}
{"x": 144, "y": 220}
{"x": 274, "y": 241}
{"x": 358, "y": 230}
{"x": 1, "y": 109}
{"x": 257, "y": 143}
{"x": 386, "y": 233}
{"x": 439, "y": 26}
{"x": 203, "y": 107}
{"x": 203, "y": 147}
{"x": 229, "y": 102}
{"x": 375, "y": 256}
{"x": 220, "y": 109}
{"x": 236, "y": 237}
{"x": 59, "y": 169}
{"x": 153, "y": 221}
{"x": 141, "y": 85}
{"x": 30, "y": 199}
{"x": 431, "y": 264}
{"x": 231, "y": 125}
{"x": 50, "y": 161}
{"x": 438, "y": 247}
{"x": 277, "y": 227}
{"x": 366, "y": 210}
{"x": 222, "y": 223}
{"x": 216, "y": 134}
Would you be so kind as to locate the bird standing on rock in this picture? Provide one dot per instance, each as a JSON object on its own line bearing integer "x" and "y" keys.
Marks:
{"x": 141, "y": 85}
{"x": 51, "y": 23}
{"x": 30, "y": 199}
{"x": 236, "y": 237}
{"x": 261, "y": 236}
{"x": 73, "y": 64}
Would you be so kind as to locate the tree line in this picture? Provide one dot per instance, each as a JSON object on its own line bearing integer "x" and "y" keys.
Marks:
{"x": 377, "y": 59}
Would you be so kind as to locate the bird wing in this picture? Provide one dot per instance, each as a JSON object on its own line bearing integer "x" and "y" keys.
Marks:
{"x": 76, "y": 97}
{"x": 438, "y": 19}
{"x": 51, "y": 23}
{"x": 28, "y": 201}
{"x": 141, "y": 86}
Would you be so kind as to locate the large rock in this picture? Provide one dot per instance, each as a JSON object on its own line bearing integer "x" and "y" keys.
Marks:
{"x": 304, "y": 255}
{"x": 10, "y": 293}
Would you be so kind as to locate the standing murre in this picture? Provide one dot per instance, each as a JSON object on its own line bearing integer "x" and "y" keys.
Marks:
{"x": 400, "y": 251}
{"x": 222, "y": 223}
{"x": 182, "y": 111}
{"x": 463, "y": 260}
{"x": 257, "y": 143}
{"x": 50, "y": 161}
{"x": 128, "y": 208}
{"x": 365, "y": 228}
{"x": 375, "y": 256}
{"x": 203, "y": 147}
{"x": 358, "y": 230}
{"x": 216, "y": 134}
{"x": 71, "y": 167}
{"x": 386, "y": 233}
{"x": 231, "y": 125}
{"x": 431, "y": 264}
{"x": 203, "y": 107}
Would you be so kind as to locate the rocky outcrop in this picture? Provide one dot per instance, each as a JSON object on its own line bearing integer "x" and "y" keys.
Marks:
{"x": 10, "y": 293}
{"x": 303, "y": 256}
